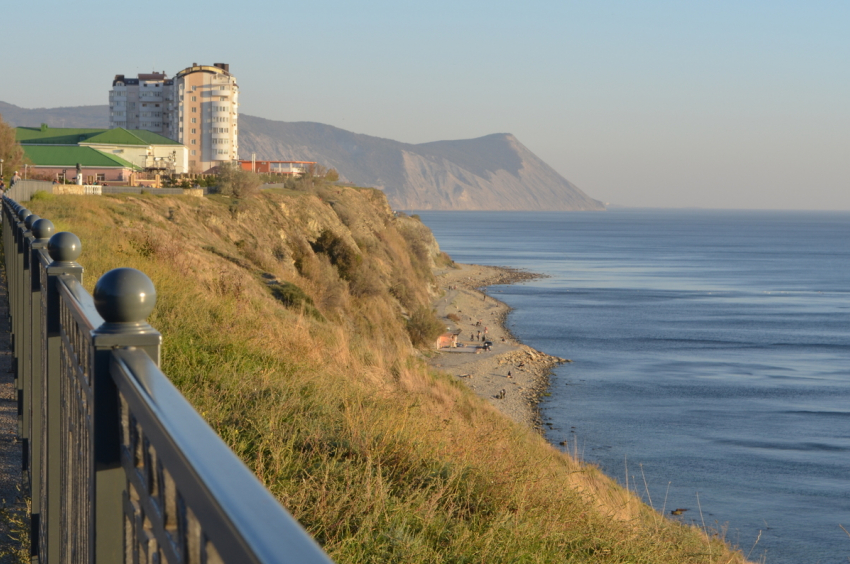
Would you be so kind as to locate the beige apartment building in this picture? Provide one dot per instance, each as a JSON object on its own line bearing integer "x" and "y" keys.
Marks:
{"x": 199, "y": 108}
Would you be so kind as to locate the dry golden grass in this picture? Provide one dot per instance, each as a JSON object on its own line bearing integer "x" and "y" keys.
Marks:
{"x": 381, "y": 459}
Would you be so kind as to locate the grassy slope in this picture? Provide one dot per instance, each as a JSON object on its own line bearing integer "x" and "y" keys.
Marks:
{"x": 379, "y": 458}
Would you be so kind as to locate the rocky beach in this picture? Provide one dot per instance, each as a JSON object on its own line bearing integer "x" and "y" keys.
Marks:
{"x": 510, "y": 375}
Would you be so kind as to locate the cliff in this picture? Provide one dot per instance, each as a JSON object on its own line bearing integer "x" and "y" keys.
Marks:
{"x": 495, "y": 172}
{"x": 289, "y": 321}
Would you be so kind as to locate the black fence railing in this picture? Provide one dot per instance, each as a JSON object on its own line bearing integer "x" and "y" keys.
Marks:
{"x": 119, "y": 466}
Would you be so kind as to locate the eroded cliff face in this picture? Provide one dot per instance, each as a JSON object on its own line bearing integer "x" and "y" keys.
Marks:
{"x": 434, "y": 182}
{"x": 495, "y": 172}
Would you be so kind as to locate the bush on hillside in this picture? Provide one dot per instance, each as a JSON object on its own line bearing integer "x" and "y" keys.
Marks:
{"x": 294, "y": 297}
{"x": 424, "y": 327}
{"x": 233, "y": 181}
{"x": 341, "y": 255}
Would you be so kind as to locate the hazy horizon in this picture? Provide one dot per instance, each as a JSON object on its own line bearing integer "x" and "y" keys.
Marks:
{"x": 706, "y": 105}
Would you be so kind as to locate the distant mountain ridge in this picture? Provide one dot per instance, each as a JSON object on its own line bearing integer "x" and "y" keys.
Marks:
{"x": 494, "y": 172}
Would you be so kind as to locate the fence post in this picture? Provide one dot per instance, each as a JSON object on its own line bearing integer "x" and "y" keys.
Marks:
{"x": 42, "y": 230}
{"x": 17, "y": 321}
{"x": 27, "y": 338}
{"x": 124, "y": 297}
{"x": 63, "y": 248}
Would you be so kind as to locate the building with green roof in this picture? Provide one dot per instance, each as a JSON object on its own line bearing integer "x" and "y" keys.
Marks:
{"x": 60, "y": 162}
{"x": 143, "y": 149}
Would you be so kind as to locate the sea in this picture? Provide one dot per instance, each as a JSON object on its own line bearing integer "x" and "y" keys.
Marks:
{"x": 711, "y": 358}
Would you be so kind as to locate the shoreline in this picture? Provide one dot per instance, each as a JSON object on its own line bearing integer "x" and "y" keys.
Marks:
{"x": 512, "y": 376}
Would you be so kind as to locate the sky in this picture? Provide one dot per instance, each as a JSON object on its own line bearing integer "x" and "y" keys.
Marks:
{"x": 711, "y": 104}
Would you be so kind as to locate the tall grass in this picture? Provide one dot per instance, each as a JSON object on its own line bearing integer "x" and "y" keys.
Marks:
{"x": 380, "y": 458}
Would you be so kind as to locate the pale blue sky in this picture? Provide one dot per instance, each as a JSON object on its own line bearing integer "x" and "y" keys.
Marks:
{"x": 709, "y": 104}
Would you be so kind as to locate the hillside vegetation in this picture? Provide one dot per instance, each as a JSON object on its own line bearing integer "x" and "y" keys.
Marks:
{"x": 287, "y": 321}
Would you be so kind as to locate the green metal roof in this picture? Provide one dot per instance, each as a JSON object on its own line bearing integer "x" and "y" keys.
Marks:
{"x": 151, "y": 137}
{"x": 53, "y": 136}
{"x": 47, "y": 155}
{"x": 121, "y": 136}
{"x": 73, "y": 136}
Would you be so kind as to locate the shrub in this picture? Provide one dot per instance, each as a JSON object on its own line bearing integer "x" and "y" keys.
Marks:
{"x": 233, "y": 181}
{"x": 424, "y": 327}
{"x": 454, "y": 317}
{"x": 343, "y": 257}
{"x": 294, "y": 297}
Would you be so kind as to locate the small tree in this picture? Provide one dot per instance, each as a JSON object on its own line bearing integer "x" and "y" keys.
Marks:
{"x": 233, "y": 181}
{"x": 10, "y": 150}
{"x": 332, "y": 175}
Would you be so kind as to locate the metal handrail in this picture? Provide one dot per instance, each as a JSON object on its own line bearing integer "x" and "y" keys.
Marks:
{"x": 119, "y": 466}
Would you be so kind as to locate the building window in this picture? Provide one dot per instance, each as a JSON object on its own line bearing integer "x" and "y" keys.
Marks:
{"x": 194, "y": 152}
{"x": 194, "y": 141}
{"x": 194, "y": 120}
{"x": 194, "y": 98}
{"x": 101, "y": 177}
{"x": 194, "y": 109}
{"x": 194, "y": 130}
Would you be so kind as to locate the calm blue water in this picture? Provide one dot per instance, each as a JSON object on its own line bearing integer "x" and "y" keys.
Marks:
{"x": 710, "y": 348}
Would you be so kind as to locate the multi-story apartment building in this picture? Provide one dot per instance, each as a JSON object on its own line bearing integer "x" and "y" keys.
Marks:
{"x": 199, "y": 107}
{"x": 141, "y": 103}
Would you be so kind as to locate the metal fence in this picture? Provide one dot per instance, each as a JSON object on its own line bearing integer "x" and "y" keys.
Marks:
{"x": 119, "y": 466}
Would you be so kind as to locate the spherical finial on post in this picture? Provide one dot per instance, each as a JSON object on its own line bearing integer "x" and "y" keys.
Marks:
{"x": 43, "y": 229}
{"x": 64, "y": 247}
{"x": 23, "y": 213}
{"x": 32, "y": 218}
{"x": 124, "y": 295}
